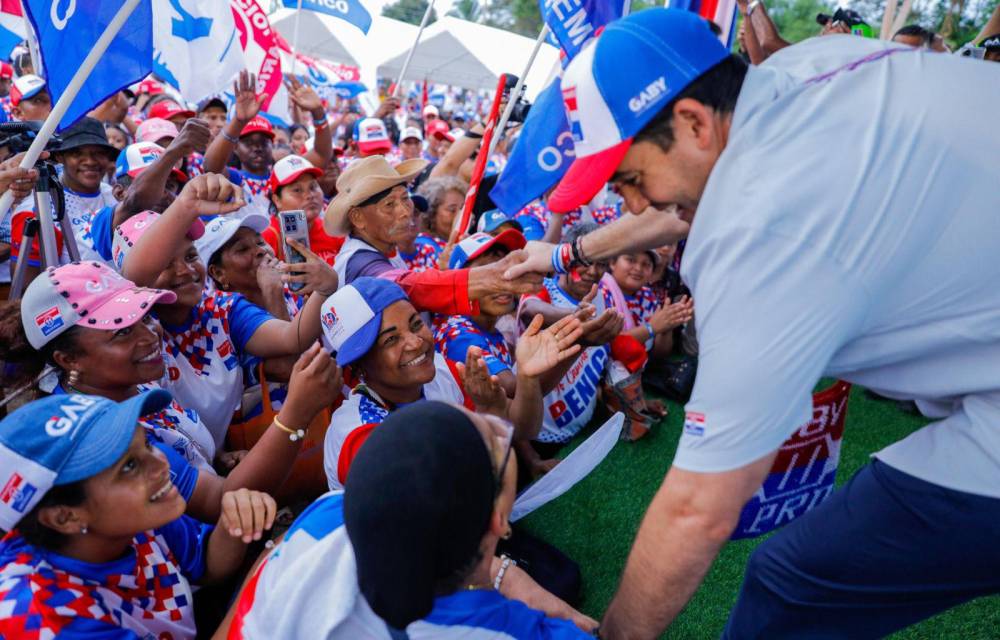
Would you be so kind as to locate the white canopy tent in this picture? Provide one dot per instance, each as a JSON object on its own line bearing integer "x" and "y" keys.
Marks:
{"x": 470, "y": 55}
{"x": 329, "y": 38}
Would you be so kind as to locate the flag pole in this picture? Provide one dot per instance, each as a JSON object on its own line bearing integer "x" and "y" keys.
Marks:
{"x": 36, "y": 60}
{"x": 416, "y": 41}
{"x": 516, "y": 93}
{"x": 59, "y": 110}
{"x": 295, "y": 35}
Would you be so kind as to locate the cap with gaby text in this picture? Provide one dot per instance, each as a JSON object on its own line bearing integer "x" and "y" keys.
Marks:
{"x": 667, "y": 49}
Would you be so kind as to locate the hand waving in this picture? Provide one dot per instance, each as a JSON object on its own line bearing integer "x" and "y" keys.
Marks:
{"x": 538, "y": 351}
{"x": 303, "y": 95}
{"x": 248, "y": 103}
{"x": 672, "y": 314}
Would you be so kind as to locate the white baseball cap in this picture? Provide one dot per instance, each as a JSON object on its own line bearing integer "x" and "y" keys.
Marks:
{"x": 289, "y": 169}
{"x": 219, "y": 230}
{"x": 431, "y": 110}
{"x": 411, "y": 132}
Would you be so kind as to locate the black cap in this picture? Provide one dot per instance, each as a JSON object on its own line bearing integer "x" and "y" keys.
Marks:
{"x": 86, "y": 131}
{"x": 849, "y": 17}
{"x": 212, "y": 102}
{"x": 417, "y": 502}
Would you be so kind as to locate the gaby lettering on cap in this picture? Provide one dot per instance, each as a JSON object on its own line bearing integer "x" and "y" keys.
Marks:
{"x": 71, "y": 411}
{"x": 648, "y": 96}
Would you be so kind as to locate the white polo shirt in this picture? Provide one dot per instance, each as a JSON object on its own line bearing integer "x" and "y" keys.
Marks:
{"x": 851, "y": 228}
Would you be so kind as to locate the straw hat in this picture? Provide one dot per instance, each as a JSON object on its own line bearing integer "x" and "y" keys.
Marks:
{"x": 360, "y": 181}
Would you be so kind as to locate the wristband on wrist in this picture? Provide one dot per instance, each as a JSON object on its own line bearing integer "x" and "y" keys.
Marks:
{"x": 562, "y": 257}
{"x": 652, "y": 335}
{"x": 473, "y": 136}
{"x": 578, "y": 254}
{"x": 229, "y": 138}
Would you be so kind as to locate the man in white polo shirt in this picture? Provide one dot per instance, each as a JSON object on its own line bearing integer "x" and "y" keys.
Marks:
{"x": 848, "y": 224}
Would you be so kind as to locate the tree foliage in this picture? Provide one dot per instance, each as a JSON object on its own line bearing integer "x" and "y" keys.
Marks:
{"x": 411, "y": 11}
{"x": 465, "y": 10}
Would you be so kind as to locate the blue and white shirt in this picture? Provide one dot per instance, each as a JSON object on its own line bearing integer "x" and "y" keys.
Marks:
{"x": 294, "y": 596}
{"x": 456, "y": 334}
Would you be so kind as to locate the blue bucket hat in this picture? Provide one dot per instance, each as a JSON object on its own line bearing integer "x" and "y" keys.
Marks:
{"x": 352, "y": 316}
{"x": 63, "y": 439}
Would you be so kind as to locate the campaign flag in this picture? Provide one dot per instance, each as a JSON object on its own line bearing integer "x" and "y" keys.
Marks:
{"x": 196, "y": 46}
{"x": 544, "y": 149}
{"x": 262, "y": 54}
{"x": 803, "y": 473}
{"x": 12, "y": 30}
{"x": 350, "y": 10}
{"x": 573, "y": 22}
{"x": 69, "y": 32}
{"x": 347, "y": 90}
{"x": 542, "y": 154}
{"x": 721, "y": 12}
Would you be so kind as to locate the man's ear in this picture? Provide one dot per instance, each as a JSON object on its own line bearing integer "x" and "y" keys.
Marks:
{"x": 356, "y": 217}
{"x": 118, "y": 191}
{"x": 66, "y": 520}
{"x": 693, "y": 120}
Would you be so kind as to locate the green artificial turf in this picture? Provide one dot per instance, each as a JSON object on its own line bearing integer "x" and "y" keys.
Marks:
{"x": 596, "y": 521}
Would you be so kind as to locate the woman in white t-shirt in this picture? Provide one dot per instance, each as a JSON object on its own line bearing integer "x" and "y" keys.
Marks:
{"x": 374, "y": 328}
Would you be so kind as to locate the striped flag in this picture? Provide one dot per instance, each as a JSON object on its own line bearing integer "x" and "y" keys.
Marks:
{"x": 721, "y": 12}
{"x": 12, "y": 31}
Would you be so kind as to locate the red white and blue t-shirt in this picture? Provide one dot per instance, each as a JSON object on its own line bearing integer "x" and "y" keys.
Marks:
{"x": 424, "y": 257}
{"x": 363, "y": 410}
{"x": 643, "y": 304}
{"x": 292, "y": 595}
{"x": 570, "y": 405}
{"x": 202, "y": 357}
{"x": 456, "y": 334}
{"x": 144, "y": 594}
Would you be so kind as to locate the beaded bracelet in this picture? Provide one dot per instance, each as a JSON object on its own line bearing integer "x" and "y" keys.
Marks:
{"x": 229, "y": 138}
{"x": 505, "y": 562}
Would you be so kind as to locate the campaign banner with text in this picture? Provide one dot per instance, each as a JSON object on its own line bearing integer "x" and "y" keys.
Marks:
{"x": 804, "y": 471}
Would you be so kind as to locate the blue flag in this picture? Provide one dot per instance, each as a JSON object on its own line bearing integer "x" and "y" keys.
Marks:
{"x": 350, "y": 10}
{"x": 544, "y": 150}
{"x": 346, "y": 89}
{"x": 66, "y": 34}
{"x": 542, "y": 154}
{"x": 573, "y": 22}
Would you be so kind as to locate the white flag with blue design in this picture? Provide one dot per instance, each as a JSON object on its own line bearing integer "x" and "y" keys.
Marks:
{"x": 197, "y": 46}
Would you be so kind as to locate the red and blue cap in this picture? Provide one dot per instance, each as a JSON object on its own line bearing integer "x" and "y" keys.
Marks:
{"x": 63, "y": 439}
{"x": 666, "y": 49}
{"x": 479, "y": 243}
{"x": 137, "y": 157}
{"x": 352, "y": 316}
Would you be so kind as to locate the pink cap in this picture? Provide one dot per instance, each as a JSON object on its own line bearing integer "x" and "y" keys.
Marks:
{"x": 153, "y": 129}
{"x": 85, "y": 294}
{"x": 129, "y": 232}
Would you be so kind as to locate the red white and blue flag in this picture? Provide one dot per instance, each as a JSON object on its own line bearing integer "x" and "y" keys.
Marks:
{"x": 12, "y": 29}
{"x": 721, "y": 12}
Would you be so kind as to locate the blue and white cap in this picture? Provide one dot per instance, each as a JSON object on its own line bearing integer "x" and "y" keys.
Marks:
{"x": 63, "y": 439}
{"x": 479, "y": 243}
{"x": 352, "y": 316}
{"x": 491, "y": 220}
{"x": 664, "y": 50}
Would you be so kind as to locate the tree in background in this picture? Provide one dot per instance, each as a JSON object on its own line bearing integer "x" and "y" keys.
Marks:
{"x": 465, "y": 10}
{"x": 411, "y": 11}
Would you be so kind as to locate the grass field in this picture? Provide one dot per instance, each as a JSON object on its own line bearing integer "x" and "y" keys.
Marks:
{"x": 596, "y": 521}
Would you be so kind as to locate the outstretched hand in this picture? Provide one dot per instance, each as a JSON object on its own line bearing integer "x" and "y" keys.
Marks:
{"x": 303, "y": 95}
{"x": 538, "y": 351}
{"x": 248, "y": 103}
{"x": 535, "y": 259}
{"x": 483, "y": 388}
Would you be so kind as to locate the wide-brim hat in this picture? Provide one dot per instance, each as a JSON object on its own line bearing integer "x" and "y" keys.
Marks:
{"x": 360, "y": 181}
